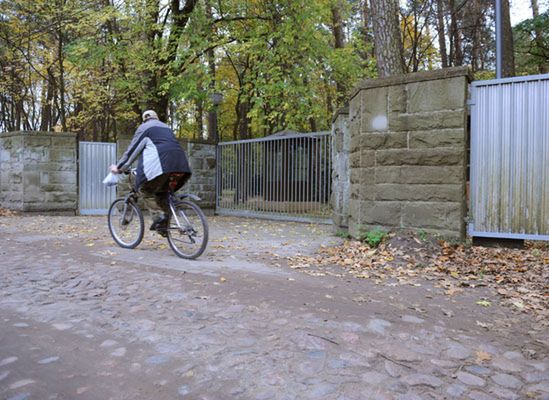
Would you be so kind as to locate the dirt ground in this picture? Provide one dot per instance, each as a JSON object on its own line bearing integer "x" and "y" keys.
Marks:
{"x": 83, "y": 318}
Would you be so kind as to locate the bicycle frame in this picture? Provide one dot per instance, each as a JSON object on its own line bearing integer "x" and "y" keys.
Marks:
{"x": 172, "y": 209}
{"x": 188, "y": 224}
{"x": 182, "y": 223}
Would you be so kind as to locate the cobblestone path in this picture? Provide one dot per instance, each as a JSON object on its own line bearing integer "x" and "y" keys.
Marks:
{"x": 83, "y": 319}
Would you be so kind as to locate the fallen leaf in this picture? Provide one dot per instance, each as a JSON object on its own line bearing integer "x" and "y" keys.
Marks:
{"x": 452, "y": 291}
{"x": 484, "y": 303}
{"x": 518, "y": 304}
{"x": 482, "y": 356}
{"x": 483, "y": 325}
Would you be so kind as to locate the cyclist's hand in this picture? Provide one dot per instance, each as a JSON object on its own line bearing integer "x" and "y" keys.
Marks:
{"x": 114, "y": 169}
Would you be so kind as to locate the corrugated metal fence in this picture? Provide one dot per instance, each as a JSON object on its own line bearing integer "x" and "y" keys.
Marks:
{"x": 280, "y": 177}
{"x": 510, "y": 158}
{"x": 94, "y": 160}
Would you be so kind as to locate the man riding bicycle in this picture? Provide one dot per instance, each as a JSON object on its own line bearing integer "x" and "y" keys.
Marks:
{"x": 161, "y": 160}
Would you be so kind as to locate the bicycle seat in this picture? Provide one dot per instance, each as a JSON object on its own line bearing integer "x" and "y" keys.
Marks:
{"x": 174, "y": 179}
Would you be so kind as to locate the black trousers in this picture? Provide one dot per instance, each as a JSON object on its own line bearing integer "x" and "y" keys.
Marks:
{"x": 155, "y": 193}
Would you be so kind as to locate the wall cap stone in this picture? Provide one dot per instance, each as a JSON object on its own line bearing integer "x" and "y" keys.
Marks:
{"x": 342, "y": 111}
{"x": 38, "y": 133}
{"x": 196, "y": 141}
{"x": 443, "y": 73}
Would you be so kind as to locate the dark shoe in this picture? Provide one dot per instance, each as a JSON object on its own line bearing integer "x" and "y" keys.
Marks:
{"x": 160, "y": 225}
{"x": 162, "y": 232}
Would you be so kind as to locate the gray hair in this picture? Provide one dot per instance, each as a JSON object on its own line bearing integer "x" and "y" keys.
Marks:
{"x": 149, "y": 114}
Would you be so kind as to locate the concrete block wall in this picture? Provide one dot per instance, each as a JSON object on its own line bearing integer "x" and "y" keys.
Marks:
{"x": 38, "y": 171}
{"x": 407, "y": 154}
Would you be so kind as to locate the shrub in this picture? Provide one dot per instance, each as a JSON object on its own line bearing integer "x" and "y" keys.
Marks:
{"x": 374, "y": 237}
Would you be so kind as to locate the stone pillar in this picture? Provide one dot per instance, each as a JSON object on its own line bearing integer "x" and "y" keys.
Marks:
{"x": 39, "y": 171}
{"x": 11, "y": 170}
{"x": 202, "y": 158}
{"x": 340, "y": 169}
{"x": 408, "y": 153}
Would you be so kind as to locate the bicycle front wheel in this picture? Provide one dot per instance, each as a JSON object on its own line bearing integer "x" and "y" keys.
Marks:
{"x": 126, "y": 223}
{"x": 188, "y": 230}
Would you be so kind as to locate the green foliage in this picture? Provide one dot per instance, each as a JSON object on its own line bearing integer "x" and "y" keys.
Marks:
{"x": 95, "y": 65}
{"x": 276, "y": 59}
{"x": 532, "y": 45}
{"x": 343, "y": 234}
{"x": 374, "y": 237}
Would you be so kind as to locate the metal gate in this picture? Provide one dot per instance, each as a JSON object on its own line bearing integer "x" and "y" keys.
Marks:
{"x": 94, "y": 159}
{"x": 510, "y": 158}
{"x": 284, "y": 176}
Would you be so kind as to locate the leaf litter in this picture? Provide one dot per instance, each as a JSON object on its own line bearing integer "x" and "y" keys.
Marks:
{"x": 519, "y": 276}
{"x": 4, "y": 212}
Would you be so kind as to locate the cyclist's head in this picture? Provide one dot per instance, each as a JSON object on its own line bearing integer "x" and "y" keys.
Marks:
{"x": 149, "y": 114}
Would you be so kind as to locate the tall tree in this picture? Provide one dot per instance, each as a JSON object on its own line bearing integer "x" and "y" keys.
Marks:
{"x": 93, "y": 66}
{"x": 456, "y": 50}
{"x": 166, "y": 65}
{"x": 387, "y": 37}
{"x": 532, "y": 43}
{"x": 339, "y": 43}
{"x": 441, "y": 32}
{"x": 542, "y": 66}
{"x": 508, "y": 60}
{"x": 476, "y": 26}
{"x": 210, "y": 55}
{"x": 419, "y": 49}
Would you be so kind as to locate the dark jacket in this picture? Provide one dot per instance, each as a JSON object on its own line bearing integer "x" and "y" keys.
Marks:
{"x": 158, "y": 150}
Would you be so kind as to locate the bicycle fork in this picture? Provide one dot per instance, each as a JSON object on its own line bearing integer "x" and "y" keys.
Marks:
{"x": 125, "y": 217}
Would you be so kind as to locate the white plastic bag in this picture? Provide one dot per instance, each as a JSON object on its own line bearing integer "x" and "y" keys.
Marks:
{"x": 111, "y": 179}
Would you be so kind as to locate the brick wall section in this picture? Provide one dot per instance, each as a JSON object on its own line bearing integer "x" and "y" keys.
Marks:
{"x": 38, "y": 171}
{"x": 408, "y": 153}
{"x": 202, "y": 159}
{"x": 340, "y": 169}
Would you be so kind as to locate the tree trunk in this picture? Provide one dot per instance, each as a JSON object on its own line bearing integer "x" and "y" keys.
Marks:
{"x": 47, "y": 97}
{"x": 366, "y": 27}
{"x": 339, "y": 43}
{"x": 337, "y": 26}
{"x": 441, "y": 34}
{"x": 180, "y": 18}
{"x": 387, "y": 37}
{"x": 542, "y": 66}
{"x": 199, "y": 119}
{"x": 60, "y": 56}
{"x": 212, "y": 112}
{"x": 508, "y": 59}
{"x": 243, "y": 120}
{"x": 456, "y": 49}
{"x": 476, "y": 42}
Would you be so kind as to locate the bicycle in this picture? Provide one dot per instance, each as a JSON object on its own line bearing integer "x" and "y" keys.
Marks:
{"x": 187, "y": 227}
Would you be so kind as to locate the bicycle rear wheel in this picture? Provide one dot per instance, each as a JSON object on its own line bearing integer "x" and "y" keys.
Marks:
{"x": 126, "y": 223}
{"x": 188, "y": 232}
